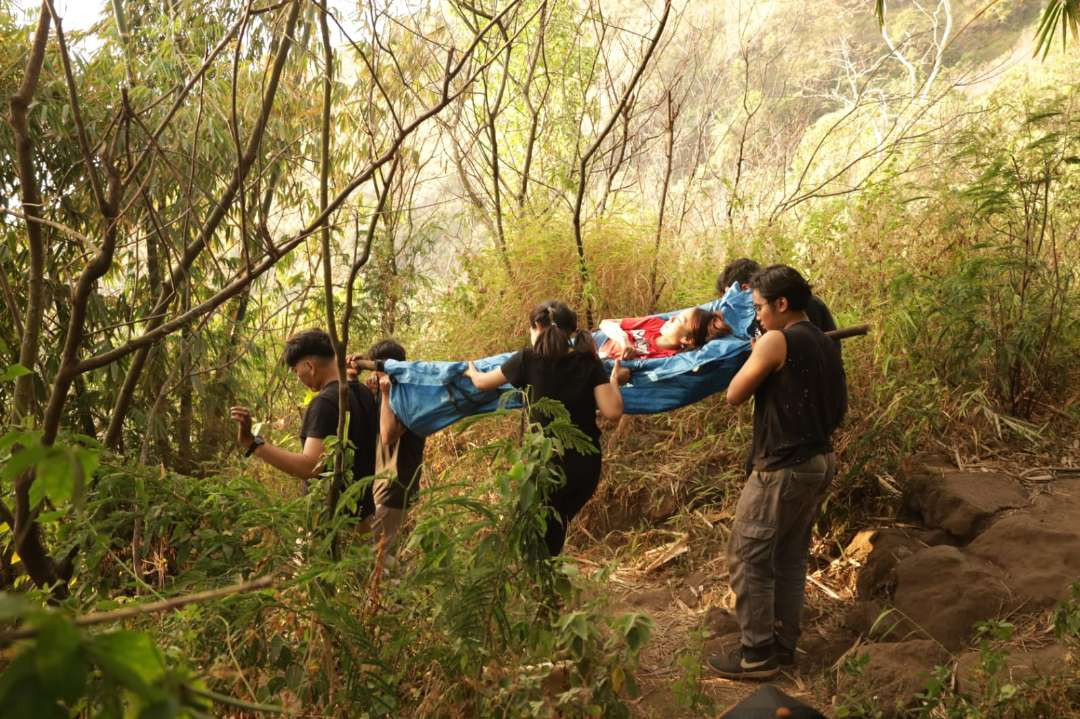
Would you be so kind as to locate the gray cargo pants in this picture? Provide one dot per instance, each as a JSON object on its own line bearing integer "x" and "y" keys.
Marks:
{"x": 767, "y": 553}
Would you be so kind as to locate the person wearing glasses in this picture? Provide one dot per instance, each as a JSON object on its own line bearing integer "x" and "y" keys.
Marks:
{"x": 796, "y": 377}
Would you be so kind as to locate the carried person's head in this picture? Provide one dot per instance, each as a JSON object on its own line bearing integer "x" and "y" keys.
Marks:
{"x": 310, "y": 355}
{"x": 779, "y": 293}
{"x": 692, "y": 328}
{"x": 553, "y": 327}
{"x": 740, "y": 270}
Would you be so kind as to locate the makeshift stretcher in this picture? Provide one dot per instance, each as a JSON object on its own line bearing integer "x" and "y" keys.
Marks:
{"x": 428, "y": 396}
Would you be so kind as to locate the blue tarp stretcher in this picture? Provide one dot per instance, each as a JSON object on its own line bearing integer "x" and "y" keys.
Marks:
{"x": 427, "y": 396}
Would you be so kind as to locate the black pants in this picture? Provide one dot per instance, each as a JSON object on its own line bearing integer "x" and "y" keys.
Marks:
{"x": 582, "y": 477}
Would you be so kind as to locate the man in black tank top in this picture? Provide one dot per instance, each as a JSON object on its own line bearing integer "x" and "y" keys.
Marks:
{"x": 796, "y": 377}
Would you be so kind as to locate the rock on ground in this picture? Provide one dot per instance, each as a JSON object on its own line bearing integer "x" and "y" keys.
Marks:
{"x": 959, "y": 502}
{"x": 878, "y": 551}
{"x": 893, "y": 674}
{"x": 874, "y": 620}
{"x": 1020, "y": 664}
{"x": 945, "y": 592}
{"x": 1038, "y": 547}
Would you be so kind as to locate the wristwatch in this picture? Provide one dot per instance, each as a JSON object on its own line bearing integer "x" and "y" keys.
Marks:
{"x": 256, "y": 442}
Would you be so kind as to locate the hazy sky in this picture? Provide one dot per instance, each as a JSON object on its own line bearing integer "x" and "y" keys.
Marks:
{"x": 75, "y": 14}
{"x": 81, "y": 14}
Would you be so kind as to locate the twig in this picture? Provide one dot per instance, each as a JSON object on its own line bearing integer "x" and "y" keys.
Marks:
{"x": 825, "y": 590}
{"x": 149, "y": 608}
{"x": 234, "y": 702}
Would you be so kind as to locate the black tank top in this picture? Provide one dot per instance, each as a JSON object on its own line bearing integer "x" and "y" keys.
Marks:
{"x": 797, "y": 407}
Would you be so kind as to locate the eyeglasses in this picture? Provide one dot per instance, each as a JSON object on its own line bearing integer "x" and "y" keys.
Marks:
{"x": 758, "y": 307}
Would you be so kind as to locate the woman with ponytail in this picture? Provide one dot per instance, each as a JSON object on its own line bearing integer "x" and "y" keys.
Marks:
{"x": 562, "y": 364}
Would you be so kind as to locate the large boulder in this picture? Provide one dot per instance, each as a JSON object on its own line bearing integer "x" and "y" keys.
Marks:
{"x": 891, "y": 674}
{"x": 945, "y": 592}
{"x": 960, "y": 502}
{"x": 877, "y": 551}
{"x": 1038, "y": 547}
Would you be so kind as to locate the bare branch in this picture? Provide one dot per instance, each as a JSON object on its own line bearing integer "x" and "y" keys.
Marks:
{"x": 583, "y": 269}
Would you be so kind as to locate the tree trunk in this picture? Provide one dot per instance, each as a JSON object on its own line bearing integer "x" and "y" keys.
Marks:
{"x": 30, "y": 197}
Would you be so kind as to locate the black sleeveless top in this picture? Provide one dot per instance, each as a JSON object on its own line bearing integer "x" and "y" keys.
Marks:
{"x": 797, "y": 407}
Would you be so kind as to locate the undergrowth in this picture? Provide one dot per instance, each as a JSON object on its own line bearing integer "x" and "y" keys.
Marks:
{"x": 473, "y": 619}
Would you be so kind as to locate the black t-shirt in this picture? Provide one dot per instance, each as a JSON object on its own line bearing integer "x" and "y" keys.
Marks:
{"x": 797, "y": 408}
{"x": 569, "y": 379}
{"x": 321, "y": 421}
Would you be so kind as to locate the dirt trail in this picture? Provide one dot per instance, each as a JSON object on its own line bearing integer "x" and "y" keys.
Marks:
{"x": 957, "y": 554}
{"x": 682, "y": 585}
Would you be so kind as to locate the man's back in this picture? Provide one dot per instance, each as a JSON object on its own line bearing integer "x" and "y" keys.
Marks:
{"x": 321, "y": 419}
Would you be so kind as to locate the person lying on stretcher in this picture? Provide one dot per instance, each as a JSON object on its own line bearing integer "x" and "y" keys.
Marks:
{"x": 654, "y": 336}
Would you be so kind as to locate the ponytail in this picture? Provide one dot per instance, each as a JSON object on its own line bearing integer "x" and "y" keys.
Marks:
{"x": 557, "y": 324}
{"x": 552, "y": 343}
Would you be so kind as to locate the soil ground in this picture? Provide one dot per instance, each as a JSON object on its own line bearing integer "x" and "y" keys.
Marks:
{"x": 677, "y": 575}
{"x": 686, "y": 594}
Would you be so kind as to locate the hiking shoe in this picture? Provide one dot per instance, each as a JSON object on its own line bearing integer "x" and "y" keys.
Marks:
{"x": 784, "y": 657}
{"x": 743, "y": 663}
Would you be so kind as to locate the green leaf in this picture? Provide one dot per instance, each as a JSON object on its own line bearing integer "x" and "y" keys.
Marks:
{"x": 13, "y": 372}
{"x": 20, "y": 671}
{"x": 636, "y": 628}
{"x": 1063, "y": 12}
{"x": 61, "y": 668}
{"x": 57, "y": 473}
{"x": 27, "y": 698}
{"x": 17, "y": 606}
{"x": 18, "y": 437}
{"x": 166, "y": 708}
{"x": 22, "y": 460}
{"x": 129, "y": 659}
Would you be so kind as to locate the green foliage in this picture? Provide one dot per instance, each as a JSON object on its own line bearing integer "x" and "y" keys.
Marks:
{"x": 992, "y": 691}
{"x": 960, "y": 248}
{"x": 1003, "y": 308}
{"x": 61, "y": 471}
{"x": 688, "y": 689}
{"x": 65, "y": 671}
{"x": 1065, "y": 13}
{"x": 472, "y": 614}
{"x": 860, "y": 703}
{"x": 1067, "y": 616}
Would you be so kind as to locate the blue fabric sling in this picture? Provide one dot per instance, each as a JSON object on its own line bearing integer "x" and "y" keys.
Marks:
{"x": 427, "y": 396}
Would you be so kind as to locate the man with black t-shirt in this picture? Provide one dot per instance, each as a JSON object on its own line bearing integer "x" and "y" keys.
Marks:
{"x": 310, "y": 355}
{"x": 796, "y": 378}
